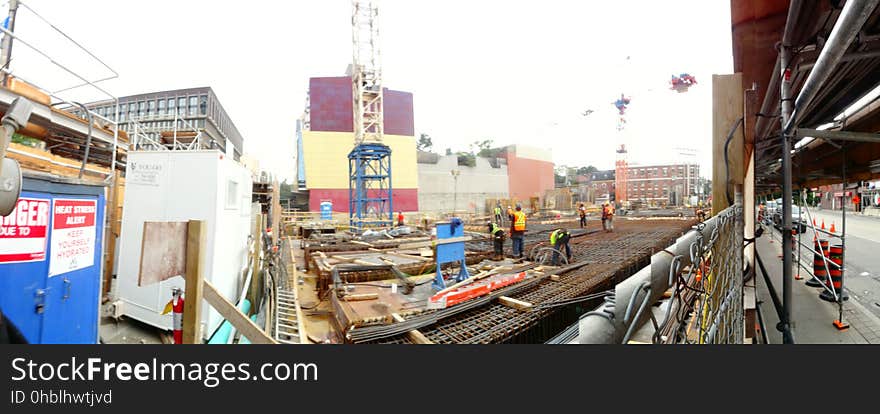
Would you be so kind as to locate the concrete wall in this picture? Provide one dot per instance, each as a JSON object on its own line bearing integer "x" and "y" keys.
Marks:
{"x": 531, "y": 171}
{"x": 437, "y": 187}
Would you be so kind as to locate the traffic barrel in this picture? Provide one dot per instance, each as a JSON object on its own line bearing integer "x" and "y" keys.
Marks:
{"x": 821, "y": 254}
{"x": 835, "y": 278}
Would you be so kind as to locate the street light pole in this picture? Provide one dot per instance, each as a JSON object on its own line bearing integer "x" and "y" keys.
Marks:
{"x": 455, "y": 174}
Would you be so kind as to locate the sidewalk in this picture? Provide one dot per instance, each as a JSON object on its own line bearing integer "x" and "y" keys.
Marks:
{"x": 812, "y": 317}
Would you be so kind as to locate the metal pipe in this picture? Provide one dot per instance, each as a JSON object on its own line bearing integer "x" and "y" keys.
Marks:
{"x": 838, "y": 135}
{"x": 853, "y": 16}
{"x": 88, "y": 140}
{"x": 606, "y": 325}
{"x": 849, "y": 57}
{"x": 7, "y": 40}
{"x": 786, "y": 110}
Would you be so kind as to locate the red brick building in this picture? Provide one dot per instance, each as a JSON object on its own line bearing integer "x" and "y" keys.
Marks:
{"x": 670, "y": 184}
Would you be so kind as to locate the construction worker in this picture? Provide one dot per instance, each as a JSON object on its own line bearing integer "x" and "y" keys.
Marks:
{"x": 399, "y": 218}
{"x": 498, "y": 235}
{"x": 498, "y": 213}
{"x": 559, "y": 238}
{"x": 518, "y": 230}
{"x": 608, "y": 217}
{"x": 510, "y": 215}
{"x": 582, "y": 211}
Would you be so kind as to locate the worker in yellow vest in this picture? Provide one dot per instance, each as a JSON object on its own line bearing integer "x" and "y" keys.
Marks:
{"x": 498, "y": 236}
{"x": 559, "y": 239}
{"x": 498, "y": 213}
{"x": 518, "y": 231}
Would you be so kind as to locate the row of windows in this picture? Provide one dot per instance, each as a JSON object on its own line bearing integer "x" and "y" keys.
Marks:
{"x": 166, "y": 125}
{"x": 665, "y": 171}
{"x": 182, "y": 105}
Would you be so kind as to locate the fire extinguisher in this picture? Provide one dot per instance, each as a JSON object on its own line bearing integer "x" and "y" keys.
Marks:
{"x": 175, "y": 305}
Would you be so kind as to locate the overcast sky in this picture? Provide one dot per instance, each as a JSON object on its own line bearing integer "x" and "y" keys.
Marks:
{"x": 511, "y": 71}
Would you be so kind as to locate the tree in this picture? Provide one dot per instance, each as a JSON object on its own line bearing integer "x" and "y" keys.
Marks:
{"x": 587, "y": 170}
{"x": 285, "y": 190}
{"x": 483, "y": 148}
{"x": 424, "y": 143}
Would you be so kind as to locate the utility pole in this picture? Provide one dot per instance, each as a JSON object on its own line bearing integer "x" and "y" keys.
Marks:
{"x": 6, "y": 44}
{"x": 455, "y": 174}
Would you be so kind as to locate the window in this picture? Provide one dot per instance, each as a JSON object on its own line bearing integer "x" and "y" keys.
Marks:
{"x": 203, "y": 105}
{"x": 152, "y": 108}
{"x": 231, "y": 194}
{"x": 161, "y": 107}
{"x": 142, "y": 107}
{"x": 171, "y": 106}
{"x": 181, "y": 106}
{"x": 193, "y": 105}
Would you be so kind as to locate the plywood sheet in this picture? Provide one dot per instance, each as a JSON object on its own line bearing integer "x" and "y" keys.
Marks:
{"x": 163, "y": 252}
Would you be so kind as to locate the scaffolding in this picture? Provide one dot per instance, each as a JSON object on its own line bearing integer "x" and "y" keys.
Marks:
{"x": 369, "y": 186}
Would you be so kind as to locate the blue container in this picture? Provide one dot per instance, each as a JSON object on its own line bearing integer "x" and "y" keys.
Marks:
{"x": 51, "y": 256}
{"x": 326, "y": 210}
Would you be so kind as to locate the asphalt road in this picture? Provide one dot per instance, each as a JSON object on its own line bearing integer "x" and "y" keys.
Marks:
{"x": 862, "y": 254}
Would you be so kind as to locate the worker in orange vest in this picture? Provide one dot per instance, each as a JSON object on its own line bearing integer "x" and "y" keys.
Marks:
{"x": 608, "y": 217}
{"x": 582, "y": 211}
{"x": 400, "y": 218}
{"x": 518, "y": 231}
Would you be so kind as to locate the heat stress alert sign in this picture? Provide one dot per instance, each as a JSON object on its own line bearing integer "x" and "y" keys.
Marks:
{"x": 24, "y": 231}
{"x": 73, "y": 235}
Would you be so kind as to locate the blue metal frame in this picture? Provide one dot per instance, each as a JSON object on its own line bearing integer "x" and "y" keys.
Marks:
{"x": 450, "y": 252}
{"x": 369, "y": 186}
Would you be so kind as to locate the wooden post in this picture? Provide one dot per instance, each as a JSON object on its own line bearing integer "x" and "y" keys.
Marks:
{"x": 196, "y": 237}
{"x": 112, "y": 233}
{"x": 256, "y": 279}
{"x": 727, "y": 109}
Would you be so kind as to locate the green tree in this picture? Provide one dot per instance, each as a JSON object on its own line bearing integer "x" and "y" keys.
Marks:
{"x": 587, "y": 170}
{"x": 483, "y": 148}
{"x": 424, "y": 143}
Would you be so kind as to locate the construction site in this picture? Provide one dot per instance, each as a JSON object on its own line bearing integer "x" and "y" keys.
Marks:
{"x": 141, "y": 219}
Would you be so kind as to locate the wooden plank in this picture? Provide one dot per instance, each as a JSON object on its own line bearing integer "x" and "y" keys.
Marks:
{"x": 240, "y": 321}
{"x": 256, "y": 287}
{"x": 196, "y": 237}
{"x": 727, "y": 108}
{"x": 418, "y": 245}
{"x": 414, "y": 335}
{"x": 515, "y": 303}
{"x": 554, "y": 278}
{"x": 112, "y": 233}
{"x": 359, "y": 297}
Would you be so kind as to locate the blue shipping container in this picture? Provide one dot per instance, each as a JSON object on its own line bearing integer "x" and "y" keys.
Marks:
{"x": 51, "y": 251}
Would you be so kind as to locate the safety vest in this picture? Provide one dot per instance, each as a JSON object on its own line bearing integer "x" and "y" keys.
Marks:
{"x": 519, "y": 223}
{"x": 510, "y": 212}
{"x": 497, "y": 211}
{"x": 609, "y": 211}
{"x": 556, "y": 235}
{"x": 496, "y": 231}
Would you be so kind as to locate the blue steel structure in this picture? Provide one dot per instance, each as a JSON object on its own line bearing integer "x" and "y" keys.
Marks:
{"x": 63, "y": 308}
{"x": 369, "y": 186}
{"x": 450, "y": 252}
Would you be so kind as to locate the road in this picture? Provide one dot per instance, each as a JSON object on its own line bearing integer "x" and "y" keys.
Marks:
{"x": 862, "y": 254}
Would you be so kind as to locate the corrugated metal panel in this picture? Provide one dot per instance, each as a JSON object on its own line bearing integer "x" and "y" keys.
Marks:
{"x": 326, "y": 159}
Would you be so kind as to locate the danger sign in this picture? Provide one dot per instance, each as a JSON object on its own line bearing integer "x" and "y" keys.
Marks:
{"x": 73, "y": 235}
{"x": 23, "y": 232}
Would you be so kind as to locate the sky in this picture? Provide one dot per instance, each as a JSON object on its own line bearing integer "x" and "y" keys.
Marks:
{"x": 515, "y": 72}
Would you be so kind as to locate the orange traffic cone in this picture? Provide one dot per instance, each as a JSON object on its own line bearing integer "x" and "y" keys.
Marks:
{"x": 832, "y": 228}
{"x": 814, "y": 222}
{"x": 823, "y": 224}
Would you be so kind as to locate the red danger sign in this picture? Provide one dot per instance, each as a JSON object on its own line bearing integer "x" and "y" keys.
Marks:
{"x": 73, "y": 235}
{"x": 23, "y": 232}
